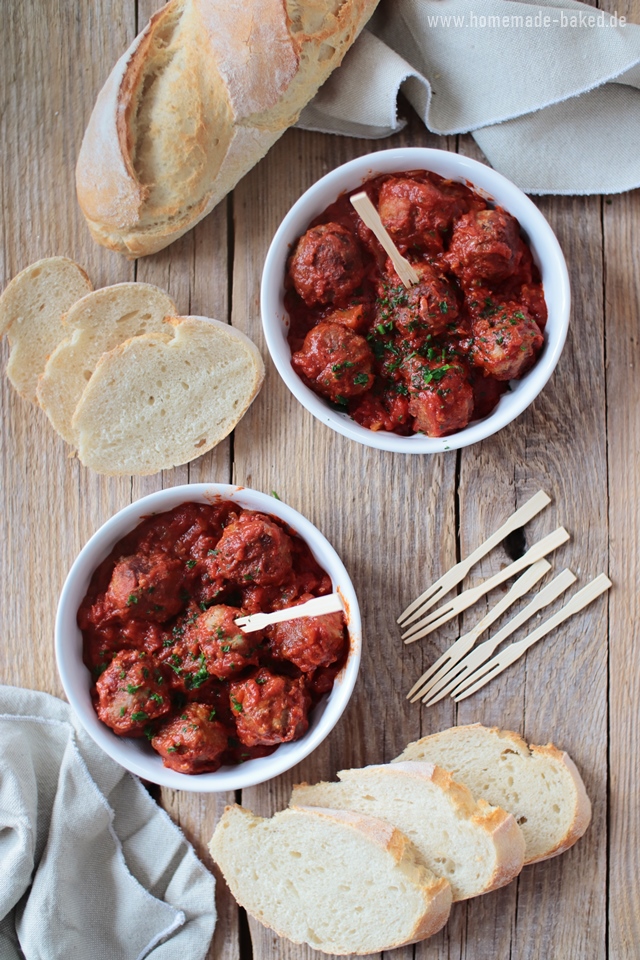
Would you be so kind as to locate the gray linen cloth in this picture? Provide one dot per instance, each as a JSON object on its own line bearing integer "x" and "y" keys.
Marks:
{"x": 550, "y": 90}
{"x": 90, "y": 867}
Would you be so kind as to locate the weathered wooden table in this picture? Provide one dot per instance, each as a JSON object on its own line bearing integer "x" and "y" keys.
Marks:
{"x": 397, "y": 521}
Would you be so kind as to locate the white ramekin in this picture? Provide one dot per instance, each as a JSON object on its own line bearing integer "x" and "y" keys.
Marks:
{"x": 137, "y": 755}
{"x": 489, "y": 184}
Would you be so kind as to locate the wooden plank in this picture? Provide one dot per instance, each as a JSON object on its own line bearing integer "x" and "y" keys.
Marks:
{"x": 559, "y": 445}
{"x": 391, "y": 518}
{"x": 53, "y": 62}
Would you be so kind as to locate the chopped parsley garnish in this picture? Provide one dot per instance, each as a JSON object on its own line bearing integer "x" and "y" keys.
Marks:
{"x": 226, "y": 648}
{"x": 236, "y": 705}
{"x": 131, "y": 687}
{"x": 212, "y": 715}
{"x": 191, "y": 564}
{"x": 444, "y": 306}
{"x": 139, "y": 715}
{"x": 212, "y": 553}
{"x": 360, "y": 379}
{"x": 275, "y": 495}
{"x": 261, "y": 680}
{"x": 171, "y": 749}
{"x": 157, "y": 697}
{"x": 131, "y": 599}
{"x": 248, "y": 576}
{"x": 435, "y": 376}
{"x": 122, "y": 711}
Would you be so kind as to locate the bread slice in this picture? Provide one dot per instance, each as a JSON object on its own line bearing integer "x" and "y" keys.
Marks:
{"x": 341, "y": 882}
{"x": 540, "y": 786}
{"x": 31, "y": 310}
{"x": 474, "y": 846}
{"x": 157, "y": 401}
{"x": 94, "y": 325}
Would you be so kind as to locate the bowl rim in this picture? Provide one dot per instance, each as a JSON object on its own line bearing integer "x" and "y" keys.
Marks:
{"x": 70, "y": 665}
{"x": 489, "y": 183}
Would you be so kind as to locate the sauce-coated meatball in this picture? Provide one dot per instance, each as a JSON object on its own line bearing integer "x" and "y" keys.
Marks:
{"x": 309, "y": 642}
{"x": 486, "y": 247}
{"x": 194, "y": 742}
{"x": 337, "y": 362}
{"x": 428, "y": 306}
{"x": 441, "y": 397}
{"x": 254, "y": 549}
{"x": 226, "y": 648}
{"x": 269, "y": 709}
{"x": 145, "y": 588}
{"x": 506, "y": 344}
{"x": 327, "y": 264}
{"x": 131, "y": 692}
{"x": 418, "y": 214}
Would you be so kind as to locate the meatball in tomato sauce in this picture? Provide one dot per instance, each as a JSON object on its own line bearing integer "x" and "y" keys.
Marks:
{"x": 194, "y": 742}
{"x": 327, "y": 265}
{"x": 309, "y": 642}
{"x": 227, "y": 650}
{"x": 145, "y": 587}
{"x": 270, "y": 708}
{"x": 506, "y": 344}
{"x": 253, "y": 549}
{"x": 132, "y": 691}
{"x": 337, "y": 362}
{"x": 486, "y": 247}
{"x": 418, "y": 213}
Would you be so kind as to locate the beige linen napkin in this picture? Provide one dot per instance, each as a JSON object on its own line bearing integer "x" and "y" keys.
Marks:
{"x": 90, "y": 866}
{"x": 550, "y": 90}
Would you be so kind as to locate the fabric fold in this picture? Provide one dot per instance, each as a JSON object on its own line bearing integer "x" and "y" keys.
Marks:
{"x": 561, "y": 80}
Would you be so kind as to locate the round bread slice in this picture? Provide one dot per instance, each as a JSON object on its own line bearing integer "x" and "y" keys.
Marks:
{"x": 474, "y": 846}
{"x": 338, "y": 881}
{"x": 31, "y": 310}
{"x": 540, "y": 786}
{"x": 157, "y": 401}
{"x": 94, "y": 325}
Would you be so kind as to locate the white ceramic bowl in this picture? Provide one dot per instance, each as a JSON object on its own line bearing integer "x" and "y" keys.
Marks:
{"x": 136, "y": 754}
{"x": 490, "y": 185}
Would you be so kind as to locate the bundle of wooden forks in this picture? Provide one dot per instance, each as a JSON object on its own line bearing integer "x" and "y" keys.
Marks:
{"x": 462, "y": 670}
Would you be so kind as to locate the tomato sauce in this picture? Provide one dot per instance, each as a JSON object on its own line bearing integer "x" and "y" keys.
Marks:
{"x": 166, "y": 657}
{"x": 432, "y": 358}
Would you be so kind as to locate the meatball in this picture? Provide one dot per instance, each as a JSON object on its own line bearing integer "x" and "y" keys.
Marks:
{"x": 336, "y": 362}
{"x": 226, "y": 648}
{"x": 146, "y": 588}
{"x": 418, "y": 214}
{"x": 428, "y": 306}
{"x": 327, "y": 265}
{"x": 441, "y": 397}
{"x": 486, "y": 247}
{"x": 506, "y": 344}
{"x": 131, "y": 692}
{"x": 309, "y": 642}
{"x": 269, "y": 709}
{"x": 387, "y": 412}
{"x": 253, "y": 549}
{"x": 194, "y": 742}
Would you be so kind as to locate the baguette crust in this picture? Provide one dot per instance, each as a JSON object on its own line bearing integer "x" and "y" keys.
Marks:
{"x": 435, "y": 892}
{"x": 198, "y": 98}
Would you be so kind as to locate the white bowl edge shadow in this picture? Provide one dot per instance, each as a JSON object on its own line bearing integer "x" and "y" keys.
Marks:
{"x": 135, "y": 754}
{"x": 493, "y": 186}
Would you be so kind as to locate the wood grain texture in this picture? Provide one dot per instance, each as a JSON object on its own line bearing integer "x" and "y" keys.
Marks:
{"x": 396, "y": 521}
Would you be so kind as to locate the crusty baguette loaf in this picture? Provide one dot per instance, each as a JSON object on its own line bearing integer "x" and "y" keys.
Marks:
{"x": 198, "y": 98}
{"x": 160, "y": 400}
{"x": 341, "y": 882}
{"x": 31, "y": 310}
{"x": 94, "y": 325}
{"x": 540, "y": 786}
{"x": 474, "y": 846}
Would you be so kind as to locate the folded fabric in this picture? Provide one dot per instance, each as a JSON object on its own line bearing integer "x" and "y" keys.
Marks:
{"x": 90, "y": 866}
{"x": 550, "y": 90}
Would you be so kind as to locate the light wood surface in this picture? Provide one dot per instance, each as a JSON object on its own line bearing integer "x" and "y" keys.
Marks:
{"x": 398, "y": 522}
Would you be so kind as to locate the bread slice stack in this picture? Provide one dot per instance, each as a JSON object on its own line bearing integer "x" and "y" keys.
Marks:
{"x": 133, "y": 387}
{"x": 373, "y": 861}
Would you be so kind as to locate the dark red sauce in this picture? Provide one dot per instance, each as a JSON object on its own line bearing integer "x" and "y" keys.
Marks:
{"x": 168, "y": 661}
{"x": 426, "y": 360}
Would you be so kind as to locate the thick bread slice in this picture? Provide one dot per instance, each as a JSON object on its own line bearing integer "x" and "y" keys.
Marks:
{"x": 157, "y": 401}
{"x": 96, "y": 324}
{"x": 341, "y": 882}
{"x": 31, "y": 310}
{"x": 540, "y": 786}
{"x": 198, "y": 98}
{"x": 475, "y": 847}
